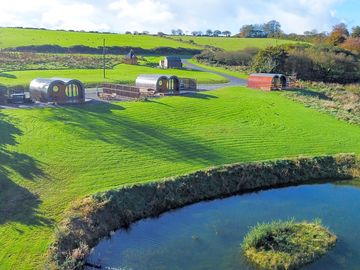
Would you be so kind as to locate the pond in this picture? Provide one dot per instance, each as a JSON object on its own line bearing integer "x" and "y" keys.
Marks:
{"x": 208, "y": 235}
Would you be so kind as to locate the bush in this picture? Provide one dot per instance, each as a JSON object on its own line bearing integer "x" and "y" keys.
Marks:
{"x": 270, "y": 60}
{"x": 219, "y": 57}
{"x": 323, "y": 64}
{"x": 313, "y": 63}
{"x": 287, "y": 245}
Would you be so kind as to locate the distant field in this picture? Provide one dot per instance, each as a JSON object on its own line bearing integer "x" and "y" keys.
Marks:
{"x": 52, "y": 157}
{"x": 122, "y": 73}
{"x": 13, "y": 37}
{"x": 235, "y": 44}
{"x": 222, "y": 70}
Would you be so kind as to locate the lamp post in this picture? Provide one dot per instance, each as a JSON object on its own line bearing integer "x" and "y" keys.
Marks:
{"x": 104, "y": 59}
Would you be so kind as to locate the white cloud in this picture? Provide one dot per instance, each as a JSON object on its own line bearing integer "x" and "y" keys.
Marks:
{"x": 52, "y": 14}
{"x": 164, "y": 15}
{"x": 142, "y": 15}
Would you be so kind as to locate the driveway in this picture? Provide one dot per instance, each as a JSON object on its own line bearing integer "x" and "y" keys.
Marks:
{"x": 233, "y": 81}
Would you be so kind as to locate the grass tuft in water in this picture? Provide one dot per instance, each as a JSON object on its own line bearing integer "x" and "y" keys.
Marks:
{"x": 287, "y": 244}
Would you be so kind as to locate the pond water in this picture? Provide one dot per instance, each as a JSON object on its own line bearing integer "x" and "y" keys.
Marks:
{"x": 208, "y": 235}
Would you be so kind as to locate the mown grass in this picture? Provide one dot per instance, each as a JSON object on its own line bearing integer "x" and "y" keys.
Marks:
{"x": 125, "y": 74}
{"x": 54, "y": 156}
{"x": 235, "y": 44}
{"x": 13, "y": 37}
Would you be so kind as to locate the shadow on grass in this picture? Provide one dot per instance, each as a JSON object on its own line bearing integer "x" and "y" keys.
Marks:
{"x": 17, "y": 204}
{"x": 199, "y": 95}
{"x": 146, "y": 137}
{"x": 7, "y": 75}
{"x": 310, "y": 93}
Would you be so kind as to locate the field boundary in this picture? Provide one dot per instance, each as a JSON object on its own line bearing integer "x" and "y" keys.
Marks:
{"x": 111, "y": 50}
{"x": 95, "y": 217}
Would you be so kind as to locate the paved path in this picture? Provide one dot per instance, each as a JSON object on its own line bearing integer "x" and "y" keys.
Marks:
{"x": 233, "y": 81}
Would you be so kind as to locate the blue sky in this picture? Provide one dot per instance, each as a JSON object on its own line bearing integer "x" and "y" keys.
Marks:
{"x": 349, "y": 11}
{"x": 164, "y": 15}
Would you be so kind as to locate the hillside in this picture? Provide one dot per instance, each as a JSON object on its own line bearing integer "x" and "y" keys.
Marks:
{"x": 235, "y": 44}
{"x": 14, "y": 37}
{"x": 52, "y": 157}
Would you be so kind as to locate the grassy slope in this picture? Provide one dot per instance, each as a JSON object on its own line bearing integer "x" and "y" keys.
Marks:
{"x": 12, "y": 37}
{"x": 222, "y": 70}
{"x": 63, "y": 154}
{"x": 235, "y": 44}
{"x": 120, "y": 74}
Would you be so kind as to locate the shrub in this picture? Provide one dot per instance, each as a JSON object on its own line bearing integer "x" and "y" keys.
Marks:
{"x": 219, "y": 57}
{"x": 270, "y": 60}
{"x": 314, "y": 63}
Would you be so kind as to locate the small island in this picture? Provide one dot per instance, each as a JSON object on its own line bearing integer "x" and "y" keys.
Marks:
{"x": 287, "y": 244}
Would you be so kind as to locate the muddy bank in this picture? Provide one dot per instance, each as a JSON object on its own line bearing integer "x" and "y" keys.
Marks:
{"x": 96, "y": 216}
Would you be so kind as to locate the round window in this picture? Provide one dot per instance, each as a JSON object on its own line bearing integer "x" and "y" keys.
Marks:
{"x": 56, "y": 89}
{"x": 160, "y": 83}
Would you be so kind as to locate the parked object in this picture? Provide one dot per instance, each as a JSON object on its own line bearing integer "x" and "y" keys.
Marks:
{"x": 131, "y": 58}
{"x": 268, "y": 81}
{"x": 158, "y": 83}
{"x": 171, "y": 62}
{"x": 57, "y": 90}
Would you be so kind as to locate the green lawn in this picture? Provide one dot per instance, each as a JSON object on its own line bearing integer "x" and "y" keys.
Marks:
{"x": 51, "y": 157}
{"x": 120, "y": 74}
{"x": 13, "y": 37}
{"x": 222, "y": 70}
{"x": 235, "y": 44}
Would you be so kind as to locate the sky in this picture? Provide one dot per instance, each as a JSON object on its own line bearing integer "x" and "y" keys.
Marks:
{"x": 295, "y": 16}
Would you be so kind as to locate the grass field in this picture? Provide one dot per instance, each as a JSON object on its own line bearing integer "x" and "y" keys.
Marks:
{"x": 13, "y": 37}
{"x": 120, "y": 74}
{"x": 222, "y": 70}
{"x": 51, "y": 157}
{"x": 235, "y": 44}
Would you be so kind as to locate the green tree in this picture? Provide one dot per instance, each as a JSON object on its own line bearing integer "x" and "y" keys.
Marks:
{"x": 217, "y": 33}
{"x": 270, "y": 60}
{"x": 272, "y": 28}
{"x": 247, "y": 30}
{"x": 356, "y": 32}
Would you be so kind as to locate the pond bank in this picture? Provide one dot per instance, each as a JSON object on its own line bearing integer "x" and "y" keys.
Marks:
{"x": 97, "y": 216}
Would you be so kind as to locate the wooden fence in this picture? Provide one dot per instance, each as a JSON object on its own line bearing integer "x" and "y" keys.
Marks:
{"x": 119, "y": 91}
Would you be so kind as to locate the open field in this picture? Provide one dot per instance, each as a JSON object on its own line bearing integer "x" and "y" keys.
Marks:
{"x": 13, "y": 37}
{"x": 220, "y": 69}
{"x": 52, "y": 157}
{"x": 125, "y": 74}
{"x": 235, "y": 44}
{"x": 18, "y": 61}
